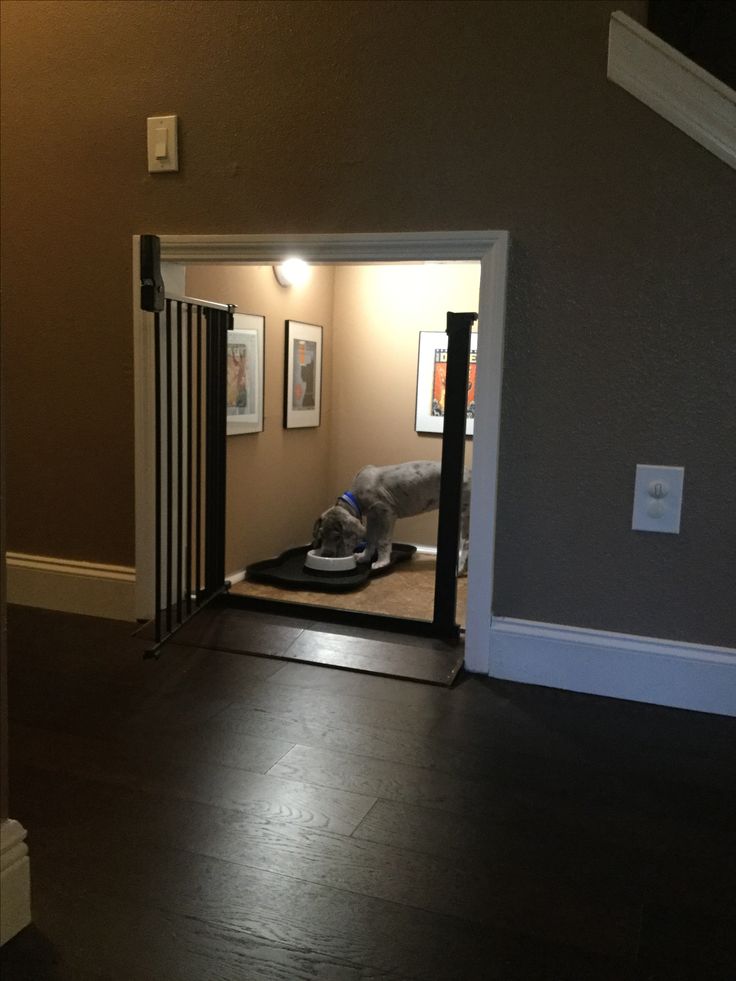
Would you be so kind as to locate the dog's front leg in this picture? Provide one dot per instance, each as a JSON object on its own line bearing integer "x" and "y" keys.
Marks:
{"x": 380, "y": 522}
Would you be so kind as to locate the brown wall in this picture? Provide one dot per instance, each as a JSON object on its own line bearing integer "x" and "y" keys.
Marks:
{"x": 302, "y": 116}
{"x": 276, "y": 480}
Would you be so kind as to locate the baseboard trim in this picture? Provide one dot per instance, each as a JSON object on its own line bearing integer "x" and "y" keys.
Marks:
{"x": 598, "y": 662}
{"x": 90, "y": 588}
{"x": 15, "y": 880}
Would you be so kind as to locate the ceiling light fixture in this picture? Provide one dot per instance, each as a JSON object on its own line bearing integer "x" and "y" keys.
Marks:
{"x": 292, "y": 272}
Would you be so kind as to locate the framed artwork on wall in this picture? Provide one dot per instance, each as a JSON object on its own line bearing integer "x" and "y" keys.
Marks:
{"x": 245, "y": 374}
{"x": 431, "y": 373}
{"x": 302, "y": 375}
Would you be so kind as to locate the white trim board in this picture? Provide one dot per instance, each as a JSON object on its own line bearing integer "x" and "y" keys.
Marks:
{"x": 15, "y": 880}
{"x": 673, "y": 86}
{"x": 598, "y": 662}
{"x": 90, "y": 588}
{"x": 261, "y": 250}
{"x": 490, "y": 248}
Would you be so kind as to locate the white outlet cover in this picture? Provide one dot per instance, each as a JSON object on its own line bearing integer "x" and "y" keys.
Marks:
{"x": 657, "y": 499}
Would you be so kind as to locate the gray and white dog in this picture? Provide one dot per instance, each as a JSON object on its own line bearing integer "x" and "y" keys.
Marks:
{"x": 378, "y": 496}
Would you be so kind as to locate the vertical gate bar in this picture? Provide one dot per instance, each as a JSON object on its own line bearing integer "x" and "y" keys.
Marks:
{"x": 169, "y": 464}
{"x": 188, "y": 507}
{"x": 208, "y": 448}
{"x": 179, "y": 460}
{"x": 198, "y": 467}
{"x": 227, "y": 320}
{"x": 217, "y": 575}
{"x": 213, "y": 448}
{"x": 217, "y": 322}
{"x": 453, "y": 456}
{"x": 218, "y": 414}
{"x": 157, "y": 438}
{"x": 229, "y": 325}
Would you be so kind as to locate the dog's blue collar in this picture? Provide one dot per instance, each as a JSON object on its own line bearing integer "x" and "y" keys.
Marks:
{"x": 350, "y": 500}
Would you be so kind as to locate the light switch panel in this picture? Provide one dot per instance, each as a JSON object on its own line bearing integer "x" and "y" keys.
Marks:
{"x": 658, "y": 499}
{"x": 163, "y": 145}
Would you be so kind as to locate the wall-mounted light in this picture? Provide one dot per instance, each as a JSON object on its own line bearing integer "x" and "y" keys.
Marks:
{"x": 292, "y": 272}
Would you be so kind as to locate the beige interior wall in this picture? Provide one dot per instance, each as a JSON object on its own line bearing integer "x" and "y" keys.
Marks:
{"x": 279, "y": 480}
{"x": 276, "y": 479}
{"x": 378, "y": 313}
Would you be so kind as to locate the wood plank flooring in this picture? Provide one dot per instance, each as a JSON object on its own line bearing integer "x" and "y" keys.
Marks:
{"x": 223, "y": 628}
{"x": 224, "y": 816}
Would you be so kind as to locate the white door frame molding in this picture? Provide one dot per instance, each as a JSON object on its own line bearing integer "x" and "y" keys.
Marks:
{"x": 490, "y": 248}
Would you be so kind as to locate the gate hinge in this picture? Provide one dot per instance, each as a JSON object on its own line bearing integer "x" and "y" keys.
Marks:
{"x": 152, "y": 284}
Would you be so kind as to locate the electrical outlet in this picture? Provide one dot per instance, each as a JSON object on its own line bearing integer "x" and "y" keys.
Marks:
{"x": 657, "y": 499}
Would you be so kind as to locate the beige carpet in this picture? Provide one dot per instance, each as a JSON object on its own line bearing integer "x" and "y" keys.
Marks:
{"x": 406, "y": 591}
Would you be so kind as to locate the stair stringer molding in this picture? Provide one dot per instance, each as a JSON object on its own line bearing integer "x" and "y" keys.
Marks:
{"x": 673, "y": 86}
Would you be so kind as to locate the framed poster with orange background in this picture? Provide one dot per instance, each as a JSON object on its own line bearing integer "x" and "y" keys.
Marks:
{"x": 431, "y": 376}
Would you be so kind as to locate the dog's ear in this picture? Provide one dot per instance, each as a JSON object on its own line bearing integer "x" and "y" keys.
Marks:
{"x": 317, "y": 533}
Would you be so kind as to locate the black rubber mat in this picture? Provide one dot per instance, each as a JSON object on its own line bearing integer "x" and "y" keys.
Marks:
{"x": 288, "y": 570}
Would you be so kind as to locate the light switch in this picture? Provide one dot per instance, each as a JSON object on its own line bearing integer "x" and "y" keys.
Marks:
{"x": 161, "y": 141}
{"x": 163, "y": 149}
{"x": 658, "y": 499}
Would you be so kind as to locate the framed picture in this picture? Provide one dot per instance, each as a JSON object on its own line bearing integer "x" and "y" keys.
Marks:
{"x": 302, "y": 375}
{"x": 431, "y": 374}
{"x": 245, "y": 375}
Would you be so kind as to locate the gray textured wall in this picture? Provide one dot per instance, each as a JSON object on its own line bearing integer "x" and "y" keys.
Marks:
{"x": 388, "y": 116}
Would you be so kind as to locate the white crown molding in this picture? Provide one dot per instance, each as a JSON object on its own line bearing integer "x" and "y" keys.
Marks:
{"x": 599, "y": 662}
{"x": 673, "y": 86}
{"x": 15, "y": 880}
{"x": 90, "y": 588}
{"x": 357, "y": 248}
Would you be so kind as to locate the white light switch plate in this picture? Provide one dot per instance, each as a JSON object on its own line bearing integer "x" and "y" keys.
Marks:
{"x": 163, "y": 144}
{"x": 658, "y": 499}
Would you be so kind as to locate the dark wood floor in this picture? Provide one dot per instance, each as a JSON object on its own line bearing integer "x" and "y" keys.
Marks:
{"x": 239, "y": 631}
{"x": 222, "y": 816}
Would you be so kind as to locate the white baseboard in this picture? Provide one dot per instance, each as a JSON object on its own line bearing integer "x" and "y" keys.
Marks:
{"x": 15, "y": 880}
{"x": 641, "y": 669}
{"x": 90, "y": 588}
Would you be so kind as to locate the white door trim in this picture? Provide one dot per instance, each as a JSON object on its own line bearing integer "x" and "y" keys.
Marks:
{"x": 490, "y": 248}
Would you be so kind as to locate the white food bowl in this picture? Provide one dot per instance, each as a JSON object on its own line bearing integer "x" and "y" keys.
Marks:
{"x": 323, "y": 564}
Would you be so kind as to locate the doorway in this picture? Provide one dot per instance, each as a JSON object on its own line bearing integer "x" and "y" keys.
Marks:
{"x": 357, "y": 251}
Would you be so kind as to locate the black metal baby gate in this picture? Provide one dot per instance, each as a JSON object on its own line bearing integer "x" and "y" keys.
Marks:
{"x": 189, "y": 355}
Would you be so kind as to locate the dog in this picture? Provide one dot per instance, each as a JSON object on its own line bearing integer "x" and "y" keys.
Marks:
{"x": 369, "y": 510}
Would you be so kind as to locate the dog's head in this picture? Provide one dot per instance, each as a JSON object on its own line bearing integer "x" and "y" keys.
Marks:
{"x": 337, "y": 533}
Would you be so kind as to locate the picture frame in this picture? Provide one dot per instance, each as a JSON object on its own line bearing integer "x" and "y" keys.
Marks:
{"x": 245, "y": 374}
{"x": 302, "y": 375}
{"x": 431, "y": 369}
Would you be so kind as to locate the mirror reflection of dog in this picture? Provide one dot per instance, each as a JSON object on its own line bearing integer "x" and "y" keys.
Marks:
{"x": 369, "y": 510}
